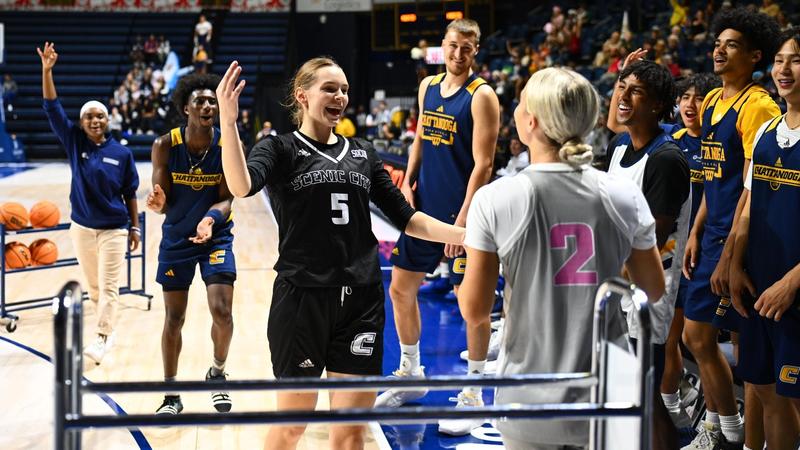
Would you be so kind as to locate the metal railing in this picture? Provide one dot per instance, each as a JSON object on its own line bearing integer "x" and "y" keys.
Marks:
{"x": 70, "y": 384}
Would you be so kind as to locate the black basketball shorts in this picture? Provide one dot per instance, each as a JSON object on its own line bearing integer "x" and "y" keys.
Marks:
{"x": 335, "y": 328}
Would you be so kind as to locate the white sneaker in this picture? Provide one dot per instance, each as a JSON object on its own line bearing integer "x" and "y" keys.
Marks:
{"x": 396, "y": 397}
{"x": 496, "y": 324}
{"x": 98, "y": 349}
{"x": 706, "y": 439}
{"x": 494, "y": 346}
{"x": 462, "y": 427}
{"x": 689, "y": 393}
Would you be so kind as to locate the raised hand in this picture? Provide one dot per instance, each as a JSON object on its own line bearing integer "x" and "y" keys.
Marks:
{"x": 156, "y": 200}
{"x": 48, "y": 56}
{"x": 228, "y": 93}
{"x": 633, "y": 56}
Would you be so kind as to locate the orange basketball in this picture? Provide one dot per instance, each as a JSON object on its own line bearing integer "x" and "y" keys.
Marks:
{"x": 17, "y": 255}
{"x": 43, "y": 252}
{"x": 44, "y": 214}
{"x": 13, "y": 215}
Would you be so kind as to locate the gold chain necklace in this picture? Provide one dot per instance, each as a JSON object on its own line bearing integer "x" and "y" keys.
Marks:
{"x": 192, "y": 164}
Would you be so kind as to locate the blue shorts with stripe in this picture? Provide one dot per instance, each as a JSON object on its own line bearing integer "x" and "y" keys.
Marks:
{"x": 702, "y": 305}
{"x": 768, "y": 351}
{"x": 178, "y": 275}
{"x": 417, "y": 255}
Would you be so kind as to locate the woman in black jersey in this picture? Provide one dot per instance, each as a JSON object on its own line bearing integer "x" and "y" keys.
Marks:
{"x": 327, "y": 304}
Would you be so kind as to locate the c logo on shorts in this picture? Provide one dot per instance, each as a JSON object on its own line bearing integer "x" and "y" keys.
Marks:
{"x": 357, "y": 346}
{"x": 460, "y": 265}
{"x": 789, "y": 374}
{"x": 216, "y": 257}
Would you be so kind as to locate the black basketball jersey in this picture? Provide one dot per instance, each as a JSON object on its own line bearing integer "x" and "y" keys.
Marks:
{"x": 320, "y": 194}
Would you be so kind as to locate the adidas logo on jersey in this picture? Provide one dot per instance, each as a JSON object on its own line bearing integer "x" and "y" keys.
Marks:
{"x": 303, "y": 153}
{"x": 307, "y": 364}
{"x": 169, "y": 273}
{"x": 440, "y": 109}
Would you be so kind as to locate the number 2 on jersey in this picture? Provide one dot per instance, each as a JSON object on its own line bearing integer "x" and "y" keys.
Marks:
{"x": 339, "y": 203}
{"x": 570, "y": 273}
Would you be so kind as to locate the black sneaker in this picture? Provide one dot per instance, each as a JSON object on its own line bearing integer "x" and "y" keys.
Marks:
{"x": 221, "y": 400}
{"x": 724, "y": 444}
{"x": 172, "y": 405}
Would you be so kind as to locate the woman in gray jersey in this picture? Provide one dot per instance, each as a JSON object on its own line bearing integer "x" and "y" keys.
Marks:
{"x": 559, "y": 228}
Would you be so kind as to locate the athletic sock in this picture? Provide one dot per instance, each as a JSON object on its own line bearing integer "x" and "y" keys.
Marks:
{"x": 475, "y": 368}
{"x": 672, "y": 402}
{"x": 732, "y": 427}
{"x": 217, "y": 367}
{"x": 409, "y": 357}
{"x": 712, "y": 418}
{"x": 170, "y": 380}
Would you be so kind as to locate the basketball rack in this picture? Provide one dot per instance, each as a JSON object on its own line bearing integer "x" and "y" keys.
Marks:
{"x": 70, "y": 386}
{"x": 9, "y": 320}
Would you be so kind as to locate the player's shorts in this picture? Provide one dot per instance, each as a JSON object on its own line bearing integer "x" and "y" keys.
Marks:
{"x": 417, "y": 255}
{"x": 335, "y": 328}
{"x": 702, "y": 305}
{"x": 683, "y": 287}
{"x": 768, "y": 351}
{"x": 218, "y": 265}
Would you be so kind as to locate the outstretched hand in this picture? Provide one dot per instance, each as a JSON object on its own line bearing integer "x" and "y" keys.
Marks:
{"x": 204, "y": 231}
{"x": 228, "y": 93}
{"x": 156, "y": 199}
{"x": 48, "y": 56}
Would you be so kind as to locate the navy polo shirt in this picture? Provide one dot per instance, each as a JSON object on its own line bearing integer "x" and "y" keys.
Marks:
{"x": 103, "y": 176}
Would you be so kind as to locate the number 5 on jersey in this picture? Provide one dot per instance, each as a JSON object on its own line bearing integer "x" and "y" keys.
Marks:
{"x": 339, "y": 203}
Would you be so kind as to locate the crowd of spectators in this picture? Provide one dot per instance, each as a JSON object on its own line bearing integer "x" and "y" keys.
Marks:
{"x": 593, "y": 42}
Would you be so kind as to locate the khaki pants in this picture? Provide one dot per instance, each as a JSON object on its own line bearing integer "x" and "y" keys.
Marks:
{"x": 101, "y": 255}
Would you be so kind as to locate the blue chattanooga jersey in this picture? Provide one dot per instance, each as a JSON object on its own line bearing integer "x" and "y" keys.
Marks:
{"x": 691, "y": 149}
{"x": 723, "y": 163}
{"x": 195, "y": 187}
{"x": 774, "y": 243}
{"x": 447, "y": 162}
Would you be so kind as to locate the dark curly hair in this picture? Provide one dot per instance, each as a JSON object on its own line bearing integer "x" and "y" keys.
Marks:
{"x": 657, "y": 81}
{"x": 759, "y": 31}
{"x": 191, "y": 83}
{"x": 702, "y": 83}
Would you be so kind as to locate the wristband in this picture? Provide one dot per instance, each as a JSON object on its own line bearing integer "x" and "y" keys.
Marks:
{"x": 216, "y": 215}
{"x": 136, "y": 230}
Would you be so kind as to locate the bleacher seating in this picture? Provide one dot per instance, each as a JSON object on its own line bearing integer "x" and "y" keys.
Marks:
{"x": 257, "y": 41}
{"x": 94, "y": 59}
{"x": 93, "y": 51}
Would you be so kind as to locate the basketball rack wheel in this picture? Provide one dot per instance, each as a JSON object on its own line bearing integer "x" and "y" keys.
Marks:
{"x": 10, "y": 323}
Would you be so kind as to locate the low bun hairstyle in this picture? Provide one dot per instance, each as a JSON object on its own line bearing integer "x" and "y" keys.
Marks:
{"x": 566, "y": 106}
{"x": 575, "y": 152}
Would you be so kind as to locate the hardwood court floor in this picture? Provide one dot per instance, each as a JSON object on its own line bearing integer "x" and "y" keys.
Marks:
{"x": 26, "y": 378}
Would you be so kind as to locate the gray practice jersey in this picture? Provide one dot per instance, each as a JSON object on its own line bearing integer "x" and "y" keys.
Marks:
{"x": 558, "y": 232}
